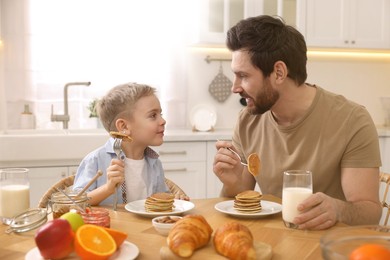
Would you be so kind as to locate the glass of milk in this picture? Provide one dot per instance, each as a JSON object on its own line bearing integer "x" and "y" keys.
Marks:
{"x": 297, "y": 186}
{"x": 14, "y": 193}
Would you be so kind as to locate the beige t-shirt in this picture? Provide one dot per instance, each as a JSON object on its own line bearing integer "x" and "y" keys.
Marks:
{"x": 334, "y": 133}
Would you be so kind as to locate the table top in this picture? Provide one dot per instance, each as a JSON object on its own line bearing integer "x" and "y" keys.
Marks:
{"x": 285, "y": 242}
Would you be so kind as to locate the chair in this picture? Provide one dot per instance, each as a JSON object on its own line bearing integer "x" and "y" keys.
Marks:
{"x": 176, "y": 190}
{"x": 68, "y": 182}
{"x": 385, "y": 179}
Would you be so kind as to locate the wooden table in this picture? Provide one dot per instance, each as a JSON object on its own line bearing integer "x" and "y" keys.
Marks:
{"x": 286, "y": 243}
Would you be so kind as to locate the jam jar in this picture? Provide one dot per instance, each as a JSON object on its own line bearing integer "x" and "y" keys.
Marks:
{"x": 97, "y": 216}
{"x": 61, "y": 204}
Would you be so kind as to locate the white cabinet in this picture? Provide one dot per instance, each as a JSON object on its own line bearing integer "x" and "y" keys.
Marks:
{"x": 217, "y": 16}
{"x": 345, "y": 23}
{"x": 42, "y": 178}
{"x": 185, "y": 164}
{"x": 214, "y": 185}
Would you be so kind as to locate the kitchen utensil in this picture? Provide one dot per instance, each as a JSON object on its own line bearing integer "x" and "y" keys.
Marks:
{"x": 219, "y": 88}
{"x": 72, "y": 200}
{"x": 98, "y": 174}
{"x": 117, "y": 149}
{"x": 253, "y": 162}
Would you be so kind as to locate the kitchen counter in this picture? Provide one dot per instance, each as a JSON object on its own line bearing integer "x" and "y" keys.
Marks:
{"x": 59, "y": 147}
{"x": 68, "y": 147}
{"x": 383, "y": 131}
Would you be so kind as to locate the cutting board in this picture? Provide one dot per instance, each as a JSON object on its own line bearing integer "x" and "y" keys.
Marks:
{"x": 263, "y": 252}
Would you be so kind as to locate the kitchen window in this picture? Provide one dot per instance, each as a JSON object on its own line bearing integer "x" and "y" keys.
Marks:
{"x": 48, "y": 43}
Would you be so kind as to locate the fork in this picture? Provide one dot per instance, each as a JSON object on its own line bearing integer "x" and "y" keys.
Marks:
{"x": 239, "y": 157}
{"x": 117, "y": 149}
{"x": 230, "y": 149}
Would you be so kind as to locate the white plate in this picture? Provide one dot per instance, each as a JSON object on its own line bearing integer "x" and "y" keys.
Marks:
{"x": 127, "y": 251}
{"x": 138, "y": 207}
{"x": 203, "y": 117}
{"x": 268, "y": 208}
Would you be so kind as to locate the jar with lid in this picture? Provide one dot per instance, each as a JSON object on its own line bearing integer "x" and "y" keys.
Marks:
{"x": 61, "y": 204}
{"x": 97, "y": 216}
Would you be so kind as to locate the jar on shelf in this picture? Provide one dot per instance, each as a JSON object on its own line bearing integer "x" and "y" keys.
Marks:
{"x": 61, "y": 204}
{"x": 97, "y": 216}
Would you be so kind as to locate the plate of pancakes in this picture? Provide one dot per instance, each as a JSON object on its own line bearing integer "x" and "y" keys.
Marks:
{"x": 159, "y": 204}
{"x": 248, "y": 204}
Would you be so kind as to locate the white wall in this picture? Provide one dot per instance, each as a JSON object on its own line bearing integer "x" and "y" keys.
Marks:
{"x": 361, "y": 80}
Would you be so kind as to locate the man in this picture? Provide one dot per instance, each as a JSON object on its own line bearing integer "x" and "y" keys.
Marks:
{"x": 291, "y": 125}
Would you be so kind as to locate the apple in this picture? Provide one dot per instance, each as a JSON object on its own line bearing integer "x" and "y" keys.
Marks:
{"x": 75, "y": 219}
{"x": 55, "y": 239}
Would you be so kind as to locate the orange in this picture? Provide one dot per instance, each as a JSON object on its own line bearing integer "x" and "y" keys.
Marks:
{"x": 94, "y": 242}
{"x": 117, "y": 235}
{"x": 370, "y": 251}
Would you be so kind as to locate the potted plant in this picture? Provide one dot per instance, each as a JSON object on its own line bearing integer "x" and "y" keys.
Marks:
{"x": 92, "y": 108}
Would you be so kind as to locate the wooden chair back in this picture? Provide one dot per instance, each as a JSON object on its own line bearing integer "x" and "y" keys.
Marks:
{"x": 385, "y": 179}
{"x": 61, "y": 184}
{"x": 68, "y": 182}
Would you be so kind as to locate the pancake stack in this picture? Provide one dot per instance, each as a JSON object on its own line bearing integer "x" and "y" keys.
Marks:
{"x": 248, "y": 202}
{"x": 160, "y": 202}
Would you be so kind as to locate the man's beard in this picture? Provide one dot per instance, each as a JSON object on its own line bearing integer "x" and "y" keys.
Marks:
{"x": 264, "y": 101}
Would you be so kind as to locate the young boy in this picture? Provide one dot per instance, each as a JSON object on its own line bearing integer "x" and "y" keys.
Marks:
{"x": 132, "y": 110}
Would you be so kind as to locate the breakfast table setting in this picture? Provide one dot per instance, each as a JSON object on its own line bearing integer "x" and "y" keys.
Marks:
{"x": 144, "y": 242}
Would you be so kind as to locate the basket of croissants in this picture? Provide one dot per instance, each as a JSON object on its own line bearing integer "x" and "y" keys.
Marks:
{"x": 231, "y": 240}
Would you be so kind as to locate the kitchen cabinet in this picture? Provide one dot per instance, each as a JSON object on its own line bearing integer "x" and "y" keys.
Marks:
{"x": 217, "y": 16}
{"x": 214, "y": 185}
{"x": 42, "y": 178}
{"x": 345, "y": 23}
{"x": 185, "y": 164}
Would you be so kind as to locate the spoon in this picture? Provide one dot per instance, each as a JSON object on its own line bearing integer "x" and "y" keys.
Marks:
{"x": 98, "y": 174}
{"x": 72, "y": 200}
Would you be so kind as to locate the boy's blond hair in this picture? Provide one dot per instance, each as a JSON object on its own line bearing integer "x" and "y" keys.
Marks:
{"x": 120, "y": 101}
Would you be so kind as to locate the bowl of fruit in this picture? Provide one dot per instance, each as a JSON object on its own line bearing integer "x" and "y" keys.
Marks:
{"x": 69, "y": 237}
{"x": 357, "y": 242}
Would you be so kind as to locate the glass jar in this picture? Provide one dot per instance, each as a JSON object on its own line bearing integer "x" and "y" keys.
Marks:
{"x": 61, "y": 204}
{"x": 97, "y": 216}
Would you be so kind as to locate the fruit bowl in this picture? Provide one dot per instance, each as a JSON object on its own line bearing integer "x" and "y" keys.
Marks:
{"x": 341, "y": 243}
{"x": 163, "y": 224}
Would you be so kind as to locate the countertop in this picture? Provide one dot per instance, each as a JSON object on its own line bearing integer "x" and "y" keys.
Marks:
{"x": 68, "y": 147}
{"x": 383, "y": 131}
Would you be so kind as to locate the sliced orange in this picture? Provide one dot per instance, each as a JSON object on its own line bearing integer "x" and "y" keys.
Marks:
{"x": 370, "y": 251}
{"x": 117, "y": 235}
{"x": 94, "y": 242}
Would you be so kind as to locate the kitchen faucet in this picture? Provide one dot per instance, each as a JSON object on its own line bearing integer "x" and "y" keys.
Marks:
{"x": 65, "y": 117}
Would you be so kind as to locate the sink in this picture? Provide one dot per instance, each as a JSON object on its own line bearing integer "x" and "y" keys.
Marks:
{"x": 40, "y": 146}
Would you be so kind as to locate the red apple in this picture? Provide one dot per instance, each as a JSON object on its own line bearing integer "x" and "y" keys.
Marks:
{"x": 55, "y": 239}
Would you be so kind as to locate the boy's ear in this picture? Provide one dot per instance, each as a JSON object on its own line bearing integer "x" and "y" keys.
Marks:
{"x": 121, "y": 124}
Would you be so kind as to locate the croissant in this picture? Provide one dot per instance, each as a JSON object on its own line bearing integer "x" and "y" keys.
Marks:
{"x": 235, "y": 241}
{"x": 188, "y": 234}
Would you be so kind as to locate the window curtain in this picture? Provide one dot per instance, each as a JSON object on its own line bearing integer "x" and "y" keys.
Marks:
{"x": 106, "y": 42}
